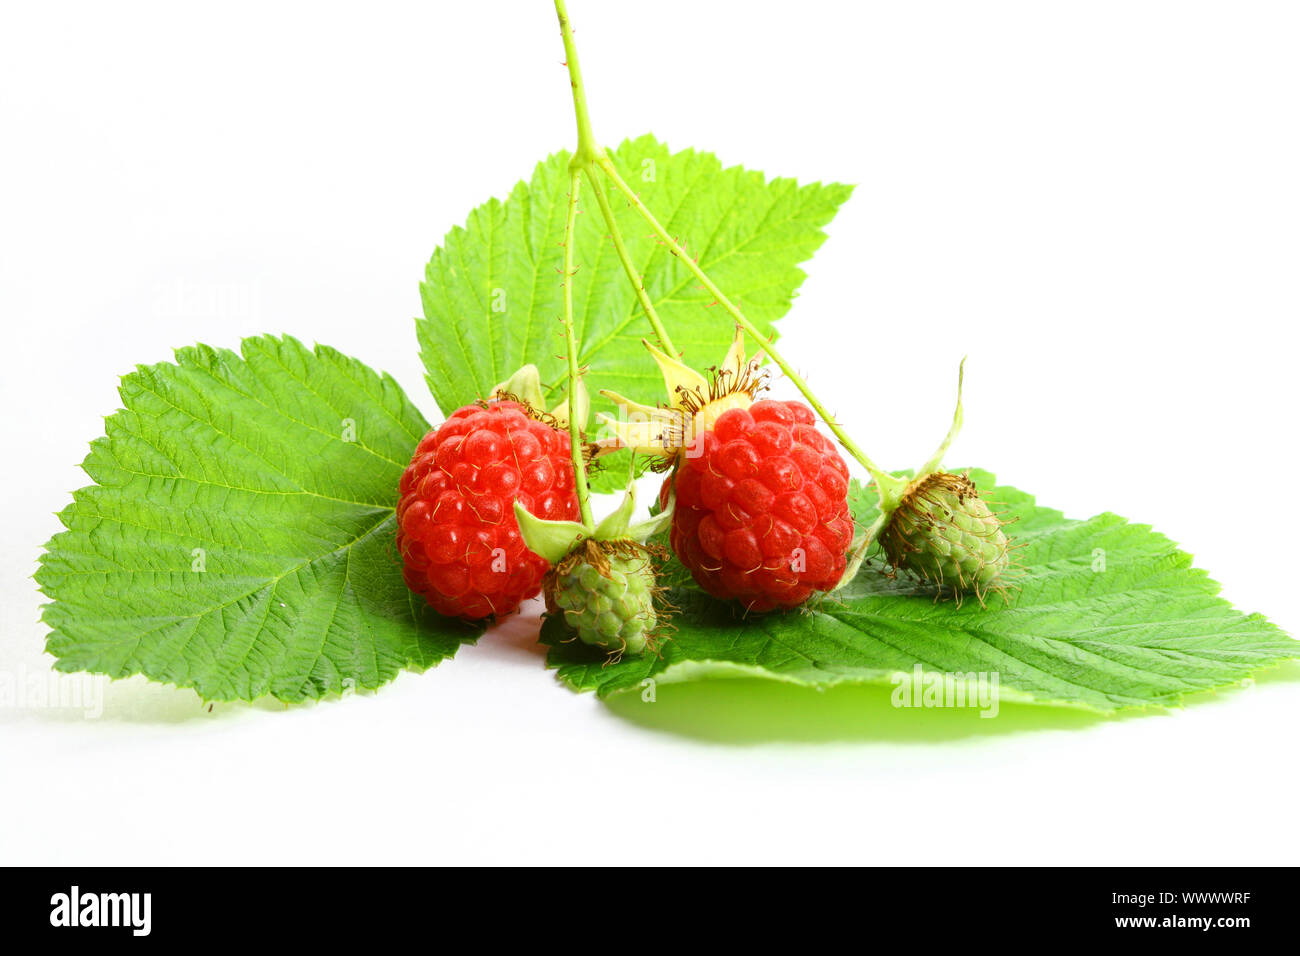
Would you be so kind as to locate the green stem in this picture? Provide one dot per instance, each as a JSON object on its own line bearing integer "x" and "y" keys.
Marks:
{"x": 882, "y": 478}
{"x": 638, "y": 283}
{"x": 588, "y": 150}
{"x": 570, "y": 341}
{"x": 585, "y": 157}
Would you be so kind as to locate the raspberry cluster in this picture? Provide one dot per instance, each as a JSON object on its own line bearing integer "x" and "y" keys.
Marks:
{"x": 762, "y": 507}
{"x": 457, "y": 532}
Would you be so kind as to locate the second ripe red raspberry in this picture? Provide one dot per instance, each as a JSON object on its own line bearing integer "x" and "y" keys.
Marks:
{"x": 762, "y": 507}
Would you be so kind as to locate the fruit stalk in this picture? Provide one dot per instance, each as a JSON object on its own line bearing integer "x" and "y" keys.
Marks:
{"x": 571, "y": 348}
{"x": 588, "y": 148}
{"x": 586, "y": 156}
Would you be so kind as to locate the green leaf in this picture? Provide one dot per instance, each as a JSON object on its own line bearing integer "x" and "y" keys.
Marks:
{"x": 239, "y": 537}
{"x": 492, "y": 290}
{"x": 1144, "y": 628}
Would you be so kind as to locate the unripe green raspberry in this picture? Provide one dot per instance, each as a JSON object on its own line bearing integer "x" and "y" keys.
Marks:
{"x": 606, "y": 590}
{"x": 943, "y": 531}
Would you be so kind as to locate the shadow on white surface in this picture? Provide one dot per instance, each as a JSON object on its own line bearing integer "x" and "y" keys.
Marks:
{"x": 756, "y": 711}
{"x": 514, "y": 638}
{"x": 726, "y": 711}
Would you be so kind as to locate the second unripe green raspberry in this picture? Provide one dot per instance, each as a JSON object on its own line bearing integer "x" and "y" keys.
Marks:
{"x": 944, "y": 531}
{"x": 606, "y": 592}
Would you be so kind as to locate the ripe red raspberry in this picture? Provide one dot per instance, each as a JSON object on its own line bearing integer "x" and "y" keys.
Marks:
{"x": 456, "y": 527}
{"x": 762, "y": 507}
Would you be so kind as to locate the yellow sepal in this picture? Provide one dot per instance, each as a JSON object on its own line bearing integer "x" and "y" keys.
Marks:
{"x": 643, "y": 428}
{"x": 679, "y": 379}
{"x": 735, "y": 359}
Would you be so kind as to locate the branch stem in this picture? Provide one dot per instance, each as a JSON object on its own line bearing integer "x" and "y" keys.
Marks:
{"x": 588, "y": 150}
{"x": 571, "y": 351}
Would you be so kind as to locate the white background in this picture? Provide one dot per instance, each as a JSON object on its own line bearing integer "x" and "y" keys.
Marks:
{"x": 1099, "y": 202}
